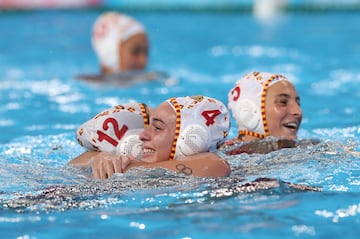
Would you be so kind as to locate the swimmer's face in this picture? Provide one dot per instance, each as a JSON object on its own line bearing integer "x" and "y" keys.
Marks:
{"x": 158, "y": 137}
{"x": 133, "y": 53}
{"x": 283, "y": 111}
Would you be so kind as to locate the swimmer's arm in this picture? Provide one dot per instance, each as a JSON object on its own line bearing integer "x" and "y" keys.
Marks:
{"x": 262, "y": 146}
{"x": 201, "y": 165}
{"x": 83, "y": 160}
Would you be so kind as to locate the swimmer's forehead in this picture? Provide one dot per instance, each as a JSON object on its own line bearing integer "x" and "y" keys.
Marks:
{"x": 164, "y": 113}
{"x": 283, "y": 88}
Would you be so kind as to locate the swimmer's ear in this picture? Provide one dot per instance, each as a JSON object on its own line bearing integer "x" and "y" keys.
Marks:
{"x": 249, "y": 115}
{"x": 130, "y": 145}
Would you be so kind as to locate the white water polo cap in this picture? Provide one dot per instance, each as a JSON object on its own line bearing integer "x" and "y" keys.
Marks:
{"x": 109, "y": 30}
{"x": 247, "y": 102}
{"x": 202, "y": 123}
{"x": 115, "y": 130}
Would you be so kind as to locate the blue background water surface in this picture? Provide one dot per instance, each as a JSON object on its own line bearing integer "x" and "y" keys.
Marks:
{"x": 43, "y": 103}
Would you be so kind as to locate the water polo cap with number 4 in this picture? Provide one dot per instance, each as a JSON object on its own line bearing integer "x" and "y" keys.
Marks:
{"x": 202, "y": 123}
{"x": 247, "y": 102}
{"x": 109, "y": 30}
{"x": 115, "y": 130}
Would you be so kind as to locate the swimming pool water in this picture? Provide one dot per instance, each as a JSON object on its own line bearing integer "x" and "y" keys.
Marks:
{"x": 43, "y": 103}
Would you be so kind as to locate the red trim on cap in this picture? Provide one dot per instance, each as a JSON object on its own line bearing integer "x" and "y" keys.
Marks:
{"x": 177, "y": 127}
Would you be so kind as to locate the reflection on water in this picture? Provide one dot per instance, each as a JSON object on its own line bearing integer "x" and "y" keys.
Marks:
{"x": 43, "y": 103}
{"x": 36, "y": 177}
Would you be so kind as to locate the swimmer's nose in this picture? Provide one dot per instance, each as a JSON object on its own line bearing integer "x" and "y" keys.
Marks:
{"x": 296, "y": 110}
{"x": 144, "y": 136}
{"x": 142, "y": 61}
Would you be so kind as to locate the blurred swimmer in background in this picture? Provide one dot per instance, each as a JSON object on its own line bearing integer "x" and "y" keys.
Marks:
{"x": 121, "y": 45}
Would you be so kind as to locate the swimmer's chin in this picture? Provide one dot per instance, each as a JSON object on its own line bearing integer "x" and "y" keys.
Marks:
{"x": 148, "y": 157}
{"x": 287, "y": 134}
{"x": 290, "y": 136}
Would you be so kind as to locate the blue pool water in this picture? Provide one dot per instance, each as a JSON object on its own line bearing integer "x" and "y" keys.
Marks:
{"x": 42, "y": 103}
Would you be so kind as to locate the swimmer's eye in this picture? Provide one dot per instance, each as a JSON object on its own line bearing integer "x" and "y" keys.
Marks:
{"x": 140, "y": 51}
{"x": 157, "y": 124}
{"x": 282, "y": 101}
{"x": 157, "y": 128}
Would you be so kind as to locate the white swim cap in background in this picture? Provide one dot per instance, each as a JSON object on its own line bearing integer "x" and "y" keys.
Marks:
{"x": 109, "y": 30}
{"x": 115, "y": 130}
{"x": 247, "y": 102}
{"x": 202, "y": 123}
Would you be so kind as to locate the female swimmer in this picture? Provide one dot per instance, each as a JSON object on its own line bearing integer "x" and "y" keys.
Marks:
{"x": 121, "y": 46}
{"x": 181, "y": 130}
{"x": 263, "y": 105}
{"x": 120, "y": 43}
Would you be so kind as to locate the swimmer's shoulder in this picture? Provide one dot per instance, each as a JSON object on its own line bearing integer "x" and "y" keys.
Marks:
{"x": 125, "y": 78}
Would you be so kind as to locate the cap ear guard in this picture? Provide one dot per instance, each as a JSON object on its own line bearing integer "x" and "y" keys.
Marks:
{"x": 193, "y": 139}
{"x": 107, "y": 129}
{"x": 249, "y": 114}
{"x": 201, "y": 123}
{"x": 130, "y": 145}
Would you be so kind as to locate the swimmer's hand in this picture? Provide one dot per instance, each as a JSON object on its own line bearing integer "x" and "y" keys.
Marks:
{"x": 104, "y": 165}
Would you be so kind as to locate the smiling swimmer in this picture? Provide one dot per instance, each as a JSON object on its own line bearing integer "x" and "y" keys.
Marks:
{"x": 188, "y": 129}
{"x": 265, "y": 105}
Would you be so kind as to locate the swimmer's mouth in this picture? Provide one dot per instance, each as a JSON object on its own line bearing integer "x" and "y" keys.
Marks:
{"x": 148, "y": 151}
{"x": 292, "y": 125}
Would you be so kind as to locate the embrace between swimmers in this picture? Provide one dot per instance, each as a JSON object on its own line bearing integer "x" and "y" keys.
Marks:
{"x": 262, "y": 104}
{"x": 180, "y": 130}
